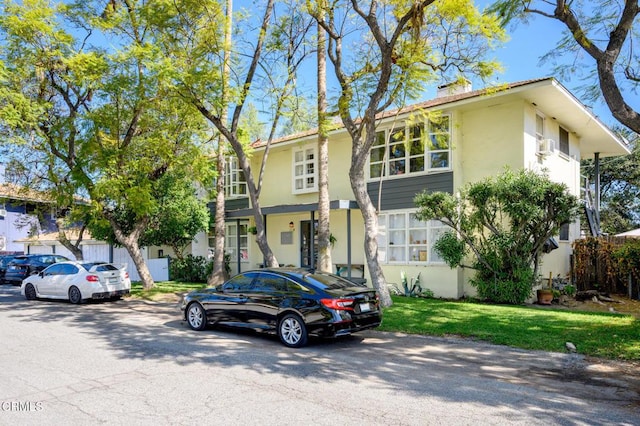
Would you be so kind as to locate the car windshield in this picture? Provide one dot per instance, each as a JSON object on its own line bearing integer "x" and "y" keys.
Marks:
{"x": 328, "y": 281}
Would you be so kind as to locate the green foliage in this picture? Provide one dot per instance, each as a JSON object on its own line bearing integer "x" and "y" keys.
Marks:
{"x": 513, "y": 287}
{"x": 504, "y": 221}
{"x": 411, "y": 287}
{"x": 570, "y": 290}
{"x": 191, "y": 269}
{"x": 451, "y": 249}
{"x": 195, "y": 268}
{"x": 627, "y": 258}
{"x": 180, "y": 214}
{"x": 620, "y": 188}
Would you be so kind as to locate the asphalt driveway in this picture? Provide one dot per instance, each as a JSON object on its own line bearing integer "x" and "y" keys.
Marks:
{"x": 136, "y": 362}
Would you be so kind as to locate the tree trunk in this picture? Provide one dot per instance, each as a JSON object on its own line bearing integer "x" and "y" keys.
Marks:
{"x": 370, "y": 216}
{"x": 218, "y": 274}
{"x": 62, "y": 238}
{"x": 130, "y": 243}
{"x": 325, "y": 263}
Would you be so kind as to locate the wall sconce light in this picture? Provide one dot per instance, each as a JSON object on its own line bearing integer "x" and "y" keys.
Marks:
{"x": 292, "y": 227}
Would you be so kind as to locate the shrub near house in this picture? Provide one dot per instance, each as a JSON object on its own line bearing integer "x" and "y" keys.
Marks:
{"x": 505, "y": 222}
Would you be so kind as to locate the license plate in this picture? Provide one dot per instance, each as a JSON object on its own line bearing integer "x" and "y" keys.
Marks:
{"x": 113, "y": 280}
{"x": 365, "y": 307}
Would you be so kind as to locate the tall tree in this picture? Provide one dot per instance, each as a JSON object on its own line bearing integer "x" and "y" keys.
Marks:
{"x": 324, "y": 230}
{"x": 106, "y": 114}
{"x": 218, "y": 273}
{"x": 277, "y": 50}
{"x": 603, "y": 29}
{"x": 403, "y": 45}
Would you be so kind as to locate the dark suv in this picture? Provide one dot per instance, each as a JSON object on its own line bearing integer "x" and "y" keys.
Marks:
{"x": 24, "y": 265}
{"x": 4, "y": 261}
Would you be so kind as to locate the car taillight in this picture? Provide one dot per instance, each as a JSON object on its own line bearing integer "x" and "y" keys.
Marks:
{"x": 126, "y": 275}
{"x": 93, "y": 278}
{"x": 338, "y": 304}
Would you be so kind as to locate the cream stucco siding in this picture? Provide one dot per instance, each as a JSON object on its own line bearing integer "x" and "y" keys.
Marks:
{"x": 491, "y": 138}
{"x": 279, "y": 172}
{"x": 488, "y": 133}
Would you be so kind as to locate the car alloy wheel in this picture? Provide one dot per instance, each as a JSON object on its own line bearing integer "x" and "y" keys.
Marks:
{"x": 196, "y": 317}
{"x": 75, "y": 296}
{"x": 30, "y": 292}
{"x": 292, "y": 331}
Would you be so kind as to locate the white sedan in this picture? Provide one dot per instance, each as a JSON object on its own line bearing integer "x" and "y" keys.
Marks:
{"x": 77, "y": 281}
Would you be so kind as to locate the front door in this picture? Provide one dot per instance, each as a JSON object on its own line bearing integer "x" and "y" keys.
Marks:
{"x": 308, "y": 244}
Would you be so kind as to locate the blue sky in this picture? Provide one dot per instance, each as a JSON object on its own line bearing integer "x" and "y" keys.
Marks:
{"x": 528, "y": 42}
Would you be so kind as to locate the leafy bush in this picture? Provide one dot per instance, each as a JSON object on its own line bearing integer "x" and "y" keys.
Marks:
{"x": 190, "y": 269}
{"x": 514, "y": 289}
{"x": 504, "y": 221}
{"x": 195, "y": 269}
{"x": 627, "y": 258}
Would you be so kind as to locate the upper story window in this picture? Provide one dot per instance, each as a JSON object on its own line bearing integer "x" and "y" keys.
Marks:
{"x": 305, "y": 166}
{"x": 563, "y": 142}
{"x": 539, "y": 127}
{"x": 235, "y": 184}
{"x": 417, "y": 148}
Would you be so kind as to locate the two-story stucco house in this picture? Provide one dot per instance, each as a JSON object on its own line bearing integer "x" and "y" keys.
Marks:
{"x": 535, "y": 124}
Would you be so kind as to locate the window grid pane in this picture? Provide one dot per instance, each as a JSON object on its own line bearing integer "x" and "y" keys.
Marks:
{"x": 304, "y": 170}
{"x": 403, "y": 238}
{"x": 412, "y": 149}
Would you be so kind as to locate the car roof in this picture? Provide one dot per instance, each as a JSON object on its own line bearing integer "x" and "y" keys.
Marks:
{"x": 291, "y": 272}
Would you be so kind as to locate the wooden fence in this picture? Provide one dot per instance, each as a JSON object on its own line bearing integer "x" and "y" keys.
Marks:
{"x": 595, "y": 266}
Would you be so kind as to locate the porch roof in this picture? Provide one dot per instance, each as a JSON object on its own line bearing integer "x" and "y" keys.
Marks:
{"x": 293, "y": 208}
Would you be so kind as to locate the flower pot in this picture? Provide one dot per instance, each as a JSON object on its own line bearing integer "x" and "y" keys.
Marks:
{"x": 545, "y": 296}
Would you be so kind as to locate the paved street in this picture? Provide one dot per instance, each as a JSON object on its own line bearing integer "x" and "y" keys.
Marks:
{"x": 134, "y": 362}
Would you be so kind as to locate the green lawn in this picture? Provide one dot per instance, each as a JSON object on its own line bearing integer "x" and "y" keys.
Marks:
{"x": 165, "y": 287}
{"x": 599, "y": 334}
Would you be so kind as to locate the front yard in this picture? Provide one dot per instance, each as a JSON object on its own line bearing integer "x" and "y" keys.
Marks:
{"x": 607, "y": 335}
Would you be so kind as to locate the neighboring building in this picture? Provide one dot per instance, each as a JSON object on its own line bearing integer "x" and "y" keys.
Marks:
{"x": 18, "y": 207}
{"x": 536, "y": 124}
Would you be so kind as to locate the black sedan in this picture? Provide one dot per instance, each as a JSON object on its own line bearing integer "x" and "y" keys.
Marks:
{"x": 22, "y": 266}
{"x": 292, "y": 302}
{"x": 4, "y": 262}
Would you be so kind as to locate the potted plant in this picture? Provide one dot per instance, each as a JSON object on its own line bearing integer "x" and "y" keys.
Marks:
{"x": 545, "y": 295}
{"x": 252, "y": 230}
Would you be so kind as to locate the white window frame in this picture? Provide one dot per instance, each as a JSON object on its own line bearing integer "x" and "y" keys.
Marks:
{"x": 401, "y": 164}
{"x": 234, "y": 184}
{"x": 540, "y": 133}
{"x": 230, "y": 242}
{"x": 405, "y": 240}
{"x": 230, "y": 245}
{"x": 304, "y": 170}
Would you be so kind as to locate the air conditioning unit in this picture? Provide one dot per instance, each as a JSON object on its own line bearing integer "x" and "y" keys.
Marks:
{"x": 3, "y": 212}
{"x": 546, "y": 146}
